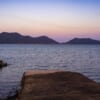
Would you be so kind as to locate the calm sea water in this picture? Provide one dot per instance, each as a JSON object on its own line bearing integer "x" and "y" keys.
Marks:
{"x": 79, "y": 58}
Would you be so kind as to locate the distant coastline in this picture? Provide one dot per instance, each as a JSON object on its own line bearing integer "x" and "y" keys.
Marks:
{"x": 17, "y": 38}
{"x": 83, "y": 41}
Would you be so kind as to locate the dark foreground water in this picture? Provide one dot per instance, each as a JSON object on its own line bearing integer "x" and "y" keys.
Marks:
{"x": 79, "y": 58}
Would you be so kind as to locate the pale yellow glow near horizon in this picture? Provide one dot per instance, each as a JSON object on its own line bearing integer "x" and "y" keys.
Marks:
{"x": 65, "y": 26}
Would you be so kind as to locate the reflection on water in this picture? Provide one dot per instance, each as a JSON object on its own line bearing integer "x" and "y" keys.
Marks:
{"x": 80, "y": 58}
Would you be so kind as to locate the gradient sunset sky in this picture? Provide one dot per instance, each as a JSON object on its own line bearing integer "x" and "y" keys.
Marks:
{"x": 59, "y": 19}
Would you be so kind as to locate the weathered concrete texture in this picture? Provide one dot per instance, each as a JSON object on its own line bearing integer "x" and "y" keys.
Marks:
{"x": 58, "y": 85}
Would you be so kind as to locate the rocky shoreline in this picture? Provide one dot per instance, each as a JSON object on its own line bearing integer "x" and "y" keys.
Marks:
{"x": 2, "y": 64}
{"x": 57, "y": 85}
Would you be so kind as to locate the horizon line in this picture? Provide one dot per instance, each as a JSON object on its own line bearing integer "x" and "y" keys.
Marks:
{"x": 50, "y": 36}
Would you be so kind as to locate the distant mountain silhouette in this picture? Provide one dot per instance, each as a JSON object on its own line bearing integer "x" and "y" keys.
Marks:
{"x": 11, "y": 38}
{"x": 83, "y": 41}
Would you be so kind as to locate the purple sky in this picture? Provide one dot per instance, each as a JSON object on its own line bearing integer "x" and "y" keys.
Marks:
{"x": 59, "y": 19}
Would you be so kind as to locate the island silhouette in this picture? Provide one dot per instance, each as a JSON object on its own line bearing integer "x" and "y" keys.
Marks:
{"x": 17, "y": 38}
{"x": 83, "y": 41}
